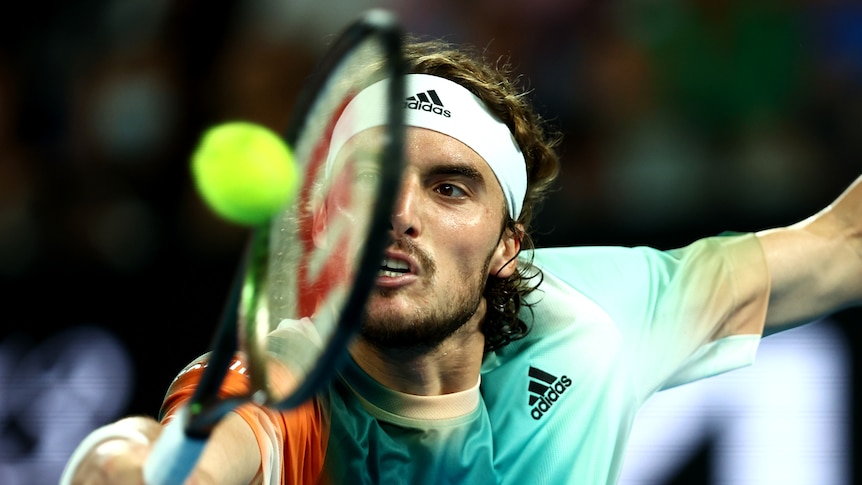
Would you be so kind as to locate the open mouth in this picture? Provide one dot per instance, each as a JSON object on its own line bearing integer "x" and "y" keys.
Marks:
{"x": 393, "y": 268}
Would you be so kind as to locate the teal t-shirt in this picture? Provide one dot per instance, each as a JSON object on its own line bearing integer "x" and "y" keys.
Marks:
{"x": 609, "y": 327}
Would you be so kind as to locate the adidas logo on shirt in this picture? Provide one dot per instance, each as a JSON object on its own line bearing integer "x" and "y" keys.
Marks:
{"x": 545, "y": 389}
{"x": 427, "y": 101}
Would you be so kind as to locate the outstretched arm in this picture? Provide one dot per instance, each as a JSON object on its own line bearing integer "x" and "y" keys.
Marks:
{"x": 230, "y": 457}
{"x": 816, "y": 265}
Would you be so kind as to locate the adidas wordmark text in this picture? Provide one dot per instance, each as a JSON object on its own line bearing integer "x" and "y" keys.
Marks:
{"x": 427, "y": 101}
{"x": 545, "y": 389}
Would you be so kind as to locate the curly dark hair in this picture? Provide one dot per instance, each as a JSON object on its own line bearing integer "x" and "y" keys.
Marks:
{"x": 494, "y": 83}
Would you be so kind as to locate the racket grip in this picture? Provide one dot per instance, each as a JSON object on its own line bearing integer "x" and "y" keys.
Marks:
{"x": 174, "y": 454}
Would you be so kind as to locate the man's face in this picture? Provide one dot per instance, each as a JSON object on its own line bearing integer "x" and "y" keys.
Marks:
{"x": 446, "y": 229}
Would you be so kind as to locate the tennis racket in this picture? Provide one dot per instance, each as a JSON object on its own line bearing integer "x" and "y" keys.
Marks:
{"x": 305, "y": 275}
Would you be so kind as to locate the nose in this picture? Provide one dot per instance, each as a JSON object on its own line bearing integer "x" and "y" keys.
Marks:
{"x": 405, "y": 220}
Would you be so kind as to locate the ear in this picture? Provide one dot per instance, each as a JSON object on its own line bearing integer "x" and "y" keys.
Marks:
{"x": 503, "y": 261}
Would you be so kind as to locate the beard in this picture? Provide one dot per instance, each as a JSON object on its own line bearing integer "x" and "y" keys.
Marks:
{"x": 429, "y": 325}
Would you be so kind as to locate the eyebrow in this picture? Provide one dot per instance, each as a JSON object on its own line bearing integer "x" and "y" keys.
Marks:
{"x": 457, "y": 169}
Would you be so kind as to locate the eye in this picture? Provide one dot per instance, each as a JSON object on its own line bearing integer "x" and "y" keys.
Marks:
{"x": 366, "y": 174}
{"x": 368, "y": 177}
{"x": 450, "y": 190}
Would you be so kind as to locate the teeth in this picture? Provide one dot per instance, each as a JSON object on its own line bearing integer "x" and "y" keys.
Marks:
{"x": 393, "y": 267}
{"x": 397, "y": 264}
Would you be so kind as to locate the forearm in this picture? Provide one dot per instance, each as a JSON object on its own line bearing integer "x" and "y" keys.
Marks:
{"x": 232, "y": 455}
{"x": 816, "y": 265}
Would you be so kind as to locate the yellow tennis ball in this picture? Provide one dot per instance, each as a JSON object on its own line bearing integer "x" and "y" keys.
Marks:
{"x": 245, "y": 172}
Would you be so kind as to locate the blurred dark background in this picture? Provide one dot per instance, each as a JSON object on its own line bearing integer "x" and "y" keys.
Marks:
{"x": 680, "y": 120}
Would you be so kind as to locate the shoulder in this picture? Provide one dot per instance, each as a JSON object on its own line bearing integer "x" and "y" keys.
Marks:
{"x": 621, "y": 270}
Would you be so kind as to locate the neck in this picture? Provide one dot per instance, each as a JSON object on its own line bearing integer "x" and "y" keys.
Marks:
{"x": 452, "y": 366}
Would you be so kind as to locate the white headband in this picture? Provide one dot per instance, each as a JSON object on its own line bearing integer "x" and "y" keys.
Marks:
{"x": 444, "y": 106}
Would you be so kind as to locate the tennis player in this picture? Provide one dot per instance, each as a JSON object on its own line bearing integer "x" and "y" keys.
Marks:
{"x": 483, "y": 360}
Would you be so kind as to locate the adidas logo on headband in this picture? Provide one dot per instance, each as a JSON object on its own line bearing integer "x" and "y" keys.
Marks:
{"x": 427, "y": 101}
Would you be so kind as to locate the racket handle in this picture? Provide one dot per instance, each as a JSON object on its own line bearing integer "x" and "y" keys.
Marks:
{"x": 174, "y": 454}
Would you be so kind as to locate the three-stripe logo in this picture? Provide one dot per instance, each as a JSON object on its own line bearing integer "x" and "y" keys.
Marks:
{"x": 427, "y": 101}
{"x": 545, "y": 389}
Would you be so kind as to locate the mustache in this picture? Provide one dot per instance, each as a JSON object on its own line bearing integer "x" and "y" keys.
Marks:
{"x": 407, "y": 246}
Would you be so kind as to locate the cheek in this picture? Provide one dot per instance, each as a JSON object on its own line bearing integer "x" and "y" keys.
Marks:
{"x": 470, "y": 239}
{"x": 478, "y": 223}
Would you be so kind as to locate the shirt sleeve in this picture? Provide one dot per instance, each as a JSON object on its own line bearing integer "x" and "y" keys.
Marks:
{"x": 292, "y": 443}
{"x": 681, "y": 315}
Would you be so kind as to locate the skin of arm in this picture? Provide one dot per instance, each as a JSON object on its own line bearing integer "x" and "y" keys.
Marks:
{"x": 232, "y": 455}
{"x": 815, "y": 265}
